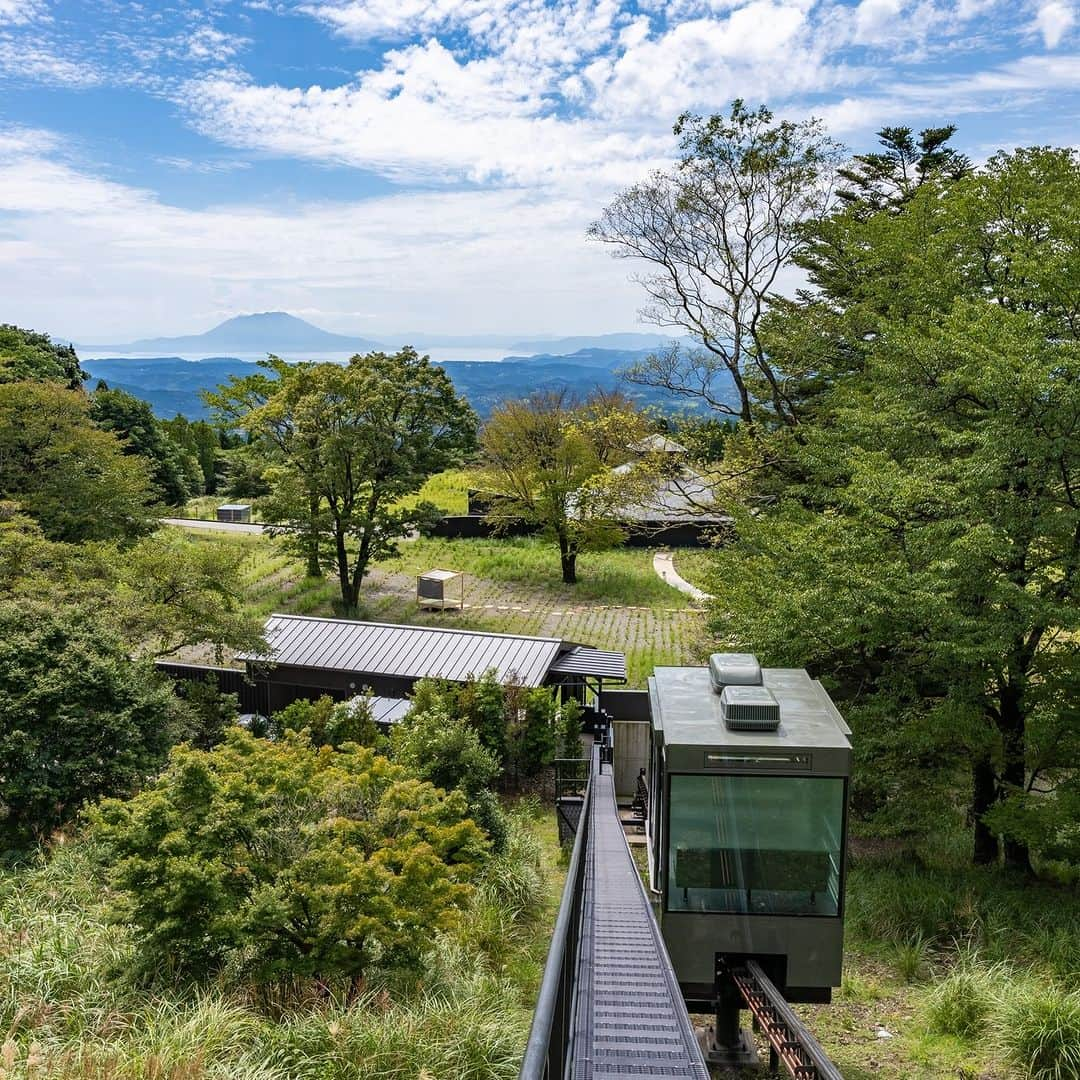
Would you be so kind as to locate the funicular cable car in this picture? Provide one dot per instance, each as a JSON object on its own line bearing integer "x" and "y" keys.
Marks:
{"x": 747, "y": 832}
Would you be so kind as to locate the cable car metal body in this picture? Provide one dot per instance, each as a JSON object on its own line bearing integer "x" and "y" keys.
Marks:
{"x": 747, "y": 831}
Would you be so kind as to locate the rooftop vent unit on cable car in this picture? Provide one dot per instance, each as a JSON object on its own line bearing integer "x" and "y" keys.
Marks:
{"x": 734, "y": 669}
{"x": 749, "y": 708}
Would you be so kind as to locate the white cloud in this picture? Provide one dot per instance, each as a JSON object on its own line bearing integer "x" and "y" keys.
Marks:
{"x": 20, "y": 12}
{"x": 205, "y": 166}
{"x": 210, "y": 44}
{"x": 1053, "y": 20}
{"x": 23, "y": 59}
{"x": 128, "y": 264}
{"x": 424, "y": 114}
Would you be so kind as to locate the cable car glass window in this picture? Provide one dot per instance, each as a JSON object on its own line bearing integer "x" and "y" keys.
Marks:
{"x": 768, "y": 845}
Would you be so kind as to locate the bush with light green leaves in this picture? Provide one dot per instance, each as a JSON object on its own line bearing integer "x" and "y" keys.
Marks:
{"x": 281, "y": 859}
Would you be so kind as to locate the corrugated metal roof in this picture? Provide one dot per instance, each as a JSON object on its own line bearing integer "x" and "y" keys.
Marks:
{"x": 584, "y": 660}
{"x": 410, "y": 652}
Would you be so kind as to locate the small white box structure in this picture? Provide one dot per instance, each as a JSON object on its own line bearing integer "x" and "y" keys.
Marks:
{"x": 436, "y": 589}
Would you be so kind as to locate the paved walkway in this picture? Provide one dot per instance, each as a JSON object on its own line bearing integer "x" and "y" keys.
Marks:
{"x": 664, "y": 565}
{"x": 216, "y": 526}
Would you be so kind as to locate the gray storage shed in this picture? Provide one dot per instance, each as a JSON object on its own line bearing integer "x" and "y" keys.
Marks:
{"x": 234, "y": 512}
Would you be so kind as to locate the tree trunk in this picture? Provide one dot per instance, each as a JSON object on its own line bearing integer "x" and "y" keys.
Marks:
{"x": 1014, "y": 769}
{"x": 349, "y": 593}
{"x": 314, "y": 569}
{"x": 568, "y": 558}
{"x": 983, "y": 797}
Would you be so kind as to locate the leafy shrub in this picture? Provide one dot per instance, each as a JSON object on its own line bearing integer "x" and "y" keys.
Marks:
{"x": 78, "y": 718}
{"x": 1039, "y": 1030}
{"x": 287, "y": 860}
{"x": 328, "y": 722}
{"x": 447, "y": 752}
{"x": 531, "y": 731}
{"x": 962, "y": 1003}
{"x": 568, "y": 727}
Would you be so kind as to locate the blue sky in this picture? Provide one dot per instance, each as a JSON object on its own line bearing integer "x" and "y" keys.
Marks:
{"x": 391, "y": 165}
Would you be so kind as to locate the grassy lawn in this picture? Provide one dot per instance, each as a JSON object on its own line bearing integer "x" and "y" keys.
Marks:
{"x": 695, "y": 565}
{"x": 71, "y": 1008}
{"x": 512, "y": 586}
{"x": 447, "y": 490}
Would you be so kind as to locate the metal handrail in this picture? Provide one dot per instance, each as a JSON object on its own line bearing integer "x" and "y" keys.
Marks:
{"x": 545, "y": 1052}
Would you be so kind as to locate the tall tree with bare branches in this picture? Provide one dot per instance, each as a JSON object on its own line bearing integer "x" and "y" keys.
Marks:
{"x": 715, "y": 232}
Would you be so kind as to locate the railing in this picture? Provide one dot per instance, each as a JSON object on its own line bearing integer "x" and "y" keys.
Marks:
{"x": 549, "y": 1037}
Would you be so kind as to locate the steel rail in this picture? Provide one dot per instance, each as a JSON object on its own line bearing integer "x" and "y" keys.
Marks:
{"x": 790, "y": 1042}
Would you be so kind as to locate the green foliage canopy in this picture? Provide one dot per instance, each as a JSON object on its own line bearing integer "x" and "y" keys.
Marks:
{"x": 26, "y": 356}
{"x": 175, "y": 472}
{"x": 288, "y": 859}
{"x": 926, "y": 553}
{"x": 342, "y": 444}
{"x": 551, "y": 462}
{"x": 72, "y": 477}
{"x": 78, "y": 718}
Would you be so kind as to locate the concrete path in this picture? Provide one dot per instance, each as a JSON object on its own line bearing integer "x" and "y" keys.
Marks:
{"x": 664, "y": 565}
{"x": 216, "y": 526}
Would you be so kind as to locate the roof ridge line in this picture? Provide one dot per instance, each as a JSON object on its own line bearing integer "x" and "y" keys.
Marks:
{"x": 417, "y": 626}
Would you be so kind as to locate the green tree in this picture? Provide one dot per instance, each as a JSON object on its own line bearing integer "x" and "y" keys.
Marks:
{"x": 329, "y": 722}
{"x": 887, "y": 178}
{"x": 532, "y": 734}
{"x": 205, "y": 712}
{"x": 78, "y": 718}
{"x": 928, "y": 550}
{"x": 344, "y": 444}
{"x": 554, "y": 463}
{"x": 714, "y": 232}
{"x": 435, "y": 742}
{"x": 288, "y": 860}
{"x": 202, "y": 445}
{"x": 29, "y": 356}
{"x": 69, "y": 475}
{"x": 175, "y": 472}
{"x": 172, "y": 591}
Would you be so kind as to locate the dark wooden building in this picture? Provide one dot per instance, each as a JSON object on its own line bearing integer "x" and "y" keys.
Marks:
{"x": 342, "y": 657}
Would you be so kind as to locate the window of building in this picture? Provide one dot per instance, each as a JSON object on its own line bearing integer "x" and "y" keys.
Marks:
{"x": 768, "y": 845}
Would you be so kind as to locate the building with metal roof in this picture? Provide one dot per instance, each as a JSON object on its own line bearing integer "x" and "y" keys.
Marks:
{"x": 310, "y": 656}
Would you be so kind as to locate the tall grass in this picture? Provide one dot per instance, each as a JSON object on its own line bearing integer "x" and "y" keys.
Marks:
{"x": 70, "y": 1010}
{"x": 1039, "y": 1030}
{"x": 961, "y": 1004}
{"x": 1004, "y": 919}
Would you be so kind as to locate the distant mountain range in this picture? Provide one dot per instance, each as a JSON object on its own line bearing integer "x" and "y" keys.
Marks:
{"x": 285, "y": 334}
{"x": 172, "y": 385}
{"x": 270, "y": 331}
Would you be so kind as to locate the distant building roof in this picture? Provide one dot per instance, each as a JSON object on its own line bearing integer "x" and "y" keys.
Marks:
{"x": 684, "y": 497}
{"x": 657, "y": 444}
{"x": 388, "y": 710}
{"x": 416, "y": 652}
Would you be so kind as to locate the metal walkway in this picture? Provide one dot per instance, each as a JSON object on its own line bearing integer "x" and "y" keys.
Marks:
{"x": 629, "y": 1016}
{"x": 610, "y": 1004}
